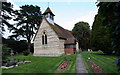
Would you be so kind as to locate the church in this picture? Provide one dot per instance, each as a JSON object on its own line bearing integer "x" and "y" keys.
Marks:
{"x": 53, "y": 40}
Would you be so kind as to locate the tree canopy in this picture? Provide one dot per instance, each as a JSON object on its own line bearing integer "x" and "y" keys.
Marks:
{"x": 106, "y": 28}
{"x": 111, "y": 14}
{"x": 100, "y": 36}
{"x": 28, "y": 19}
{"x": 6, "y": 15}
{"x": 81, "y": 31}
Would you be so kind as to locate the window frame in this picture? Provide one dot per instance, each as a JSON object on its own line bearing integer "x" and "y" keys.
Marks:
{"x": 44, "y": 38}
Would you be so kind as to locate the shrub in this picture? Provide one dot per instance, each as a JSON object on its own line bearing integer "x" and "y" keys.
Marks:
{"x": 118, "y": 65}
{"x": 15, "y": 45}
{"x": 25, "y": 53}
{"x": 5, "y": 53}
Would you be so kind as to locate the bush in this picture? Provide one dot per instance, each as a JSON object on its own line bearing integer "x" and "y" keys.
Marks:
{"x": 25, "y": 53}
{"x": 5, "y": 53}
{"x": 118, "y": 65}
{"x": 15, "y": 45}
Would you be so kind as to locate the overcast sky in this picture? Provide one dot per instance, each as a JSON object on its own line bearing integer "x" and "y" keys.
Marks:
{"x": 67, "y": 12}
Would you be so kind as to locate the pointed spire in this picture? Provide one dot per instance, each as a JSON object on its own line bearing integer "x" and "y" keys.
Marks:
{"x": 49, "y": 15}
{"x": 48, "y": 11}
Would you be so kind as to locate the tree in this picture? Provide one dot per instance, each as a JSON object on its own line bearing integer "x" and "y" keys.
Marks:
{"x": 81, "y": 31}
{"x": 111, "y": 14}
{"x": 100, "y": 37}
{"x": 6, "y": 15}
{"x": 28, "y": 18}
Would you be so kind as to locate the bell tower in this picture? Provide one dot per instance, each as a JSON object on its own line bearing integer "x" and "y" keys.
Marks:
{"x": 49, "y": 15}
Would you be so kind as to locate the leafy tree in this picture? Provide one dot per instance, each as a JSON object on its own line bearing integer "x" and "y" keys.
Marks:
{"x": 6, "y": 15}
{"x": 28, "y": 18}
{"x": 81, "y": 31}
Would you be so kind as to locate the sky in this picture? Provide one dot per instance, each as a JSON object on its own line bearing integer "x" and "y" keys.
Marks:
{"x": 67, "y": 12}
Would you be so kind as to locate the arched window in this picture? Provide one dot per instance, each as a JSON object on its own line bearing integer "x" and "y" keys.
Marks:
{"x": 44, "y": 38}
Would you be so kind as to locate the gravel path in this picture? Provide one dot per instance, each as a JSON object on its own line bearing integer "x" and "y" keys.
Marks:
{"x": 80, "y": 66}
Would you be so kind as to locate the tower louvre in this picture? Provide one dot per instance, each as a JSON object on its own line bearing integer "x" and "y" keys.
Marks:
{"x": 49, "y": 15}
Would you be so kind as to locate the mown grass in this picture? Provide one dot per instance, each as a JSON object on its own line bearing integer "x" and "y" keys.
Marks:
{"x": 42, "y": 64}
{"x": 106, "y": 62}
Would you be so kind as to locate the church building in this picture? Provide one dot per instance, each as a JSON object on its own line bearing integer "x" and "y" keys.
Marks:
{"x": 53, "y": 40}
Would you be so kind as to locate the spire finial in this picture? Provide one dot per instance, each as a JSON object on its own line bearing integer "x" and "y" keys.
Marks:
{"x": 48, "y": 4}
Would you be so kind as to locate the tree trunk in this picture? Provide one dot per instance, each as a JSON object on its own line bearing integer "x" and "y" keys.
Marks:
{"x": 28, "y": 38}
{"x": 29, "y": 46}
{"x": 29, "y": 43}
{"x": 79, "y": 42}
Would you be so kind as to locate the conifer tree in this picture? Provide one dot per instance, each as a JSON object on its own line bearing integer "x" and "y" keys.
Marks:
{"x": 28, "y": 19}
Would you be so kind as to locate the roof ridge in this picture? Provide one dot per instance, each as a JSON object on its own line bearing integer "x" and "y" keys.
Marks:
{"x": 60, "y": 31}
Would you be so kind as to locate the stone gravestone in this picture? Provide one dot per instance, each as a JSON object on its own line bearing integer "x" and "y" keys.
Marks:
{"x": 12, "y": 59}
{"x": 12, "y": 62}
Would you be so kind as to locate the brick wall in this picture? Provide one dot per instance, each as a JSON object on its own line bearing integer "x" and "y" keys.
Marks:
{"x": 70, "y": 51}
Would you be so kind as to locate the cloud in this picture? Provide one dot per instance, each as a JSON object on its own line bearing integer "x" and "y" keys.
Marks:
{"x": 86, "y": 18}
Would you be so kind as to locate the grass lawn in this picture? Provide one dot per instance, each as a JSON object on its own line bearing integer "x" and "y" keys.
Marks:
{"x": 42, "y": 64}
{"x": 106, "y": 62}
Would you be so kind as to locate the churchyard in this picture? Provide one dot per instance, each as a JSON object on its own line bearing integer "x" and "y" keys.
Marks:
{"x": 44, "y": 64}
{"x": 95, "y": 62}
{"x": 98, "y": 62}
{"x": 32, "y": 37}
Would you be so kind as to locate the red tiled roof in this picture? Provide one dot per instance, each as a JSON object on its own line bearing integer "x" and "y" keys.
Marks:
{"x": 48, "y": 11}
{"x": 62, "y": 33}
{"x": 70, "y": 41}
